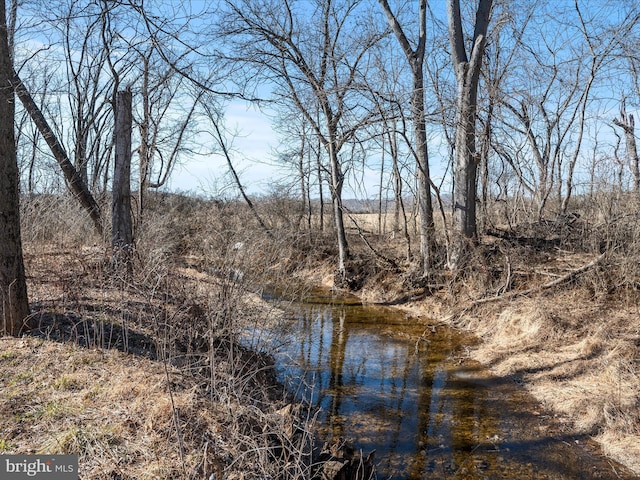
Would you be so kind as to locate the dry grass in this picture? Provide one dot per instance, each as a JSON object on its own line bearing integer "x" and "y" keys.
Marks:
{"x": 113, "y": 409}
{"x": 577, "y": 354}
{"x": 145, "y": 377}
{"x": 128, "y": 417}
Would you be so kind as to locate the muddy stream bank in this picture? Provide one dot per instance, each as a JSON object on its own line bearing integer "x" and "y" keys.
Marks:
{"x": 388, "y": 383}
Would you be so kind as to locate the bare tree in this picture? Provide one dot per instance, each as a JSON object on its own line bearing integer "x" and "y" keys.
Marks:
{"x": 394, "y": 128}
{"x": 161, "y": 137}
{"x": 627, "y": 124}
{"x": 415, "y": 58}
{"x": 600, "y": 42}
{"x": 122, "y": 225}
{"x": 99, "y": 46}
{"x": 543, "y": 98}
{"x": 88, "y": 83}
{"x": 509, "y": 27}
{"x": 315, "y": 60}
{"x": 296, "y": 152}
{"x": 77, "y": 82}
{"x": 217, "y": 133}
{"x": 467, "y": 71}
{"x": 14, "y": 303}
{"x": 74, "y": 180}
{"x": 28, "y": 139}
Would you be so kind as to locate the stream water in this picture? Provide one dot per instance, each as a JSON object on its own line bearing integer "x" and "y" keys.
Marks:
{"x": 410, "y": 394}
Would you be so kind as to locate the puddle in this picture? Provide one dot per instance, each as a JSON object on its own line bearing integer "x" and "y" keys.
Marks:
{"x": 415, "y": 399}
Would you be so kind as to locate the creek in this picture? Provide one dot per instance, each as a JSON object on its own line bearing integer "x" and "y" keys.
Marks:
{"x": 408, "y": 391}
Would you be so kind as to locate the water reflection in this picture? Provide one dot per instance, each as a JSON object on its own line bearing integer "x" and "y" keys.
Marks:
{"x": 410, "y": 399}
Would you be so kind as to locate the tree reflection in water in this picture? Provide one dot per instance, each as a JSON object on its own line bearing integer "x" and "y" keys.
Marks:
{"x": 425, "y": 412}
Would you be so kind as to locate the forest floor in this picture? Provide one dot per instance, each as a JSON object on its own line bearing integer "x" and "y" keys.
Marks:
{"x": 116, "y": 372}
{"x": 146, "y": 379}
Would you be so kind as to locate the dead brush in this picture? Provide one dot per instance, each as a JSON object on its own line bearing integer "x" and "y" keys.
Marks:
{"x": 206, "y": 311}
{"x": 218, "y": 409}
{"x": 55, "y": 220}
{"x": 616, "y": 231}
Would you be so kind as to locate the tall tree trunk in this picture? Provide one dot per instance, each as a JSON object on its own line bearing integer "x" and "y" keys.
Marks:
{"x": 465, "y": 169}
{"x": 143, "y": 149}
{"x": 81, "y": 163}
{"x": 415, "y": 58}
{"x": 309, "y": 205}
{"x": 337, "y": 181}
{"x": 320, "y": 187}
{"x": 11, "y": 27}
{"x": 74, "y": 180}
{"x": 122, "y": 225}
{"x": 484, "y": 165}
{"x": 427, "y": 225}
{"x": 302, "y": 173}
{"x": 381, "y": 194}
{"x": 397, "y": 181}
{"x": 467, "y": 72}
{"x": 627, "y": 124}
{"x": 14, "y": 303}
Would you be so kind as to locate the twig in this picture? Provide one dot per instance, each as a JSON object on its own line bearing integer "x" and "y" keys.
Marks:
{"x": 379, "y": 255}
{"x": 507, "y": 283}
{"x": 537, "y": 272}
{"x": 176, "y": 419}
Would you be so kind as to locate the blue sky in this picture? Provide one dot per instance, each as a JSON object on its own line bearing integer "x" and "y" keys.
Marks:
{"x": 253, "y": 151}
{"x": 252, "y": 154}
